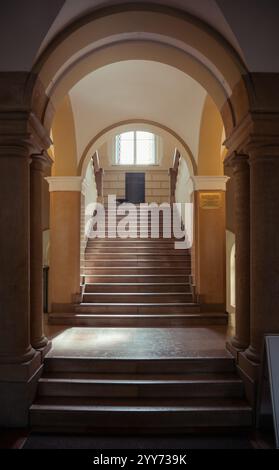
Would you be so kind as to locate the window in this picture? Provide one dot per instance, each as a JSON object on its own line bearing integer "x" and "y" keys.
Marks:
{"x": 135, "y": 148}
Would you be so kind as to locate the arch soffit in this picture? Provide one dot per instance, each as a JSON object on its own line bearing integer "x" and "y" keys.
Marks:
{"x": 199, "y": 43}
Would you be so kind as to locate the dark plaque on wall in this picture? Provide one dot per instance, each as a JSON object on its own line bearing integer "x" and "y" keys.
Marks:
{"x": 268, "y": 399}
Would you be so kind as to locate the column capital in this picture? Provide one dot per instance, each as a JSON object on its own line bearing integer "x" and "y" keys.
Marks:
{"x": 238, "y": 162}
{"x": 22, "y": 132}
{"x": 255, "y": 130}
{"x": 209, "y": 183}
{"x": 65, "y": 183}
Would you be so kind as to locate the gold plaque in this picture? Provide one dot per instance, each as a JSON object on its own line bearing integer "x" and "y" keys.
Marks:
{"x": 210, "y": 200}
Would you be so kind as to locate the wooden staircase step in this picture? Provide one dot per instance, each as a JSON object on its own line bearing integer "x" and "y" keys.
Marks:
{"x": 163, "y": 320}
{"x": 133, "y": 263}
{"x": 161, "y": 256}
{"x": 132, "y": 242}
{"x": 137, "y": 252}
{"x": 180, "y": 386}
{"x": 139, "y": 413}
{"x": 135, "y": 270}
{"x": 150, "y": 308}
{"x": 112, "y": 287}
{"x": 134, "y": 278}
{"x": 137, "y": 297}
{"x": 220, "y": 362}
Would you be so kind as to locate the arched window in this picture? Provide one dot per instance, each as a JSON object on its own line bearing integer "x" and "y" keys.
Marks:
{"x": 135, "y": 148}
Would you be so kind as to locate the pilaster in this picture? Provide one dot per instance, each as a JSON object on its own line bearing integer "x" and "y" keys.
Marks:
{"x": 209, "y": 241}
{"x": 65, "y": 217}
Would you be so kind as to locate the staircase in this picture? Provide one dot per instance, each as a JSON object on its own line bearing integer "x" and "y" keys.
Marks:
{"x": 141, "y": 396}
{"x": 137, "y": 282}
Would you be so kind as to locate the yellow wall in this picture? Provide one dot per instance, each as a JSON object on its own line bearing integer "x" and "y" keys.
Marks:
{"x": 64, "y": 248}
{"x": 210, "y": 161}
{"x": 64, "y": 141}
{"x": 210, "y": 251}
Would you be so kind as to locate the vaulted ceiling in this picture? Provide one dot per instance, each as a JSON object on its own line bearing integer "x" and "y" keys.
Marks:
{"x": 250, "y": 27}
{"x": 134, "y": 90}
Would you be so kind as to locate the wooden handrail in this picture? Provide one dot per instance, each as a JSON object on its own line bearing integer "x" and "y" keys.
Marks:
{"x": 99, "y": 173}
{"x": 173, "y": 172}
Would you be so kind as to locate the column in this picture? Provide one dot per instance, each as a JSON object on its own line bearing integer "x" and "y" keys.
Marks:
{"x": 65, "y": 209}
{"x": 241, "y": 181}
{"x": 209, "y": 241}
{"x": 264, "y": 194}
{"x": 37, "y": 169}
{"x": 19, "y": 362}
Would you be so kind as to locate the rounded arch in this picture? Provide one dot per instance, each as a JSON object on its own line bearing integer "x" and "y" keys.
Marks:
{"x": 194, "y": 46}
{"x": 96, "y": 141}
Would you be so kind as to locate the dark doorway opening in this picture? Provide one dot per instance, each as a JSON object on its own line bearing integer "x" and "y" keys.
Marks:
{"x": 135, "y": 187}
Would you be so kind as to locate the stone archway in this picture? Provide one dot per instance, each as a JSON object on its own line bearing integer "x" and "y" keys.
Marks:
{"x": 250, "y": 114}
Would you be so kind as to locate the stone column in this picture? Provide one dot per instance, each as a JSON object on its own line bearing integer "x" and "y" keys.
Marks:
{"x": 65, "y": 209}
{"x": 19, "y": 362}
{"x": 37, "y": 169}
{"x": 264, "y": 194}
{"x": 209, "y": 241}
{"x": 241, "y": 176}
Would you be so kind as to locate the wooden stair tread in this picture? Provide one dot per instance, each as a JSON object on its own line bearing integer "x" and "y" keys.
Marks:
{"x": 140, "y": 404}
{"x": 140, "y": 378}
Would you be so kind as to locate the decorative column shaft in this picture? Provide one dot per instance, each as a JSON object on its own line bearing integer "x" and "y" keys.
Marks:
{"x": 14, "y": 253}
{"x": 241, "y": 176}
{"x": 37, "y": 169}
{"x": 264, "y": 177}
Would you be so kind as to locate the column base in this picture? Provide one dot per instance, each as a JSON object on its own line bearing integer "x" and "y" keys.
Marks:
{"x": 232, "y": 349}
{"x": 20, "y": 372}
{"x": 43, "y": 351}
{"x": 252, "y": 355}
{"x": 18, "y": 386}
{"x": 249, "y": 372}
{"x": 235, "y": 347}
{"x": 249, "y": 367}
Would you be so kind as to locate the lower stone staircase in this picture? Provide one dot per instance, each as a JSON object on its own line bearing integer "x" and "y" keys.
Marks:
{"x": 139, "y": 395}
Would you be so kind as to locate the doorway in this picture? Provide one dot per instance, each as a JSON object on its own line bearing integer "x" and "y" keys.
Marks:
{"x": 135, "y": 187}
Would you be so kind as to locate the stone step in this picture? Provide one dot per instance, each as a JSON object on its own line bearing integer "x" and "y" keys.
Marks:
{"x": 158, "y": 256}
{"x": 183, "y": 320}
{"x": 221, "y": 362}
{"x": 138, "y": 308}
{"x": 112, "y": 287}
{"x": 137, "y": 297}
{"x": 137, "y": 252}
{"x": 143, "y": 414}
{"x": 134, "y": 278}
{"x": 131, "y": 385}
{"x": 135, "y": 270}
{"x": 158, "y": 243}
{"x": 133, "y": 263}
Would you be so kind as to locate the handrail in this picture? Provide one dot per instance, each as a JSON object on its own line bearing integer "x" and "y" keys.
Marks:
{"x": 99, "y": 173}
{"x": 173, "y": 172}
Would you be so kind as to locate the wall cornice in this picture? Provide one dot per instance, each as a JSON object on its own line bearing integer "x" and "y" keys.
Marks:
{"x": 209, "y": 183}
{"x": 65, "y": 183}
